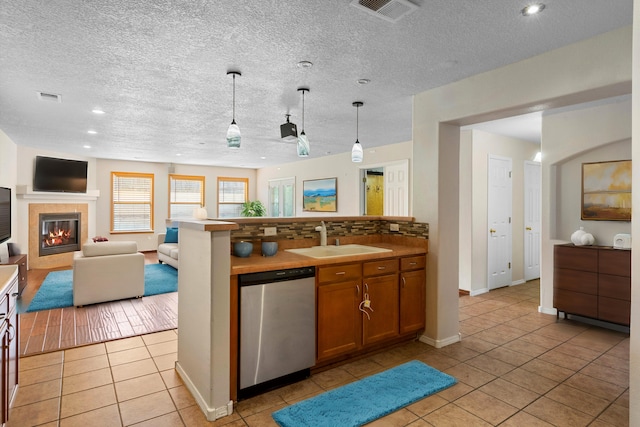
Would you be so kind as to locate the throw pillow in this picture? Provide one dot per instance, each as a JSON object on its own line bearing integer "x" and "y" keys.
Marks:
{"x": 172, "y": 235}
{"x": 100, "y": 239}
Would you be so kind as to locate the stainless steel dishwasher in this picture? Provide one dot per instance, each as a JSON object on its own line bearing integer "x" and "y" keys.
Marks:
{"x": 277, "y": 342}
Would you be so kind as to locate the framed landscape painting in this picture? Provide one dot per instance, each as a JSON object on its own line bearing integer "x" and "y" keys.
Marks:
{"x": 606, "y": 191}
{"x": 320, "y": 195}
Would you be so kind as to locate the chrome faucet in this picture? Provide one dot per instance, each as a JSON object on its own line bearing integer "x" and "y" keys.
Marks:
{"x": 323, "y": 233}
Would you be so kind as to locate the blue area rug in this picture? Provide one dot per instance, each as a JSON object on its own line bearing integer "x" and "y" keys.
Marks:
{"x": 366, "y": 400}
{"x": 56, "y": 289}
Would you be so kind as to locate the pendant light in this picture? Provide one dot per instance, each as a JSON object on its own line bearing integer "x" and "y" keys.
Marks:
{"x": 356, "y": 151}
{"x": 303, "y": 141}
{"x": 233, "y": 133}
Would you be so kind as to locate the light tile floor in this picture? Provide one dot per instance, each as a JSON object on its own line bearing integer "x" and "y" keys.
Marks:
{"x": 515, "y": 367}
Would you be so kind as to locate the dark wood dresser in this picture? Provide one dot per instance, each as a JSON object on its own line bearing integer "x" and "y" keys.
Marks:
{"x": 593, "y": 281}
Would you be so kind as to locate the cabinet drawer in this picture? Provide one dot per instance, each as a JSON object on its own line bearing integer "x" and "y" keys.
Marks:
{"x": 375, "y": 268}
{"x": 413, "y": 262}
{"x": 575, "y": 258}
{"x": 575, "y": 281}
{"x": 614, "y": 287}
{"x": 339, "y": 273}
{"x": 614, "y": 310}
{"x": 575, "y": 303}
{"x": 615, "y": 262}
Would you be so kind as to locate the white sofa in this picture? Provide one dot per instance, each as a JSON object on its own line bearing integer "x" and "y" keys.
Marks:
{"x": 107, "y": 271}
{"x": 167, "y": 252}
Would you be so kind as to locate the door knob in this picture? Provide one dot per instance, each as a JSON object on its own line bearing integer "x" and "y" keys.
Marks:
{"x": 491, "y": 230}
{"x": 528, "y": 228}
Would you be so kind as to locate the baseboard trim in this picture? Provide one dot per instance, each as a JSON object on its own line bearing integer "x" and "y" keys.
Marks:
{"x": 479, "y": 292}
{"x": 462, "y": 293}
{"x": 210, "y": 413}
{"x": 440, "y": 343}
{"x": 546, "y": 310}
{"x": 518, "y": 282}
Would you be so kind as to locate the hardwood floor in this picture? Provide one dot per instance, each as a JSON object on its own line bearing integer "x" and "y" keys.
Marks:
{"x": 52, "y": 330}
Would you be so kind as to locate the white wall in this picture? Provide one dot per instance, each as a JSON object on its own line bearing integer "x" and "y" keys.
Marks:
{"x": 147, "y": 241}
{"x": 8, "y": 173}
{"x": 338, "y": 165}
{"x": 476, "y": 146}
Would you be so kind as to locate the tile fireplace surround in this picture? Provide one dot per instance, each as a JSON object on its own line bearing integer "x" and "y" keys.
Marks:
{"x": 56, "y": 260}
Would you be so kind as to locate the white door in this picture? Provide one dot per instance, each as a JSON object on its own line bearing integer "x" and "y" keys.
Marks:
{"x": 499, "y": 222}
{"x": 532, "y": 222}
{"x": 396, "y": 189}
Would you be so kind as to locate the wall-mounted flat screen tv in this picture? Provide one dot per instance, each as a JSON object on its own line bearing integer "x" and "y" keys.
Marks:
{"x": 5, "y": 214}
{"x": 60, "y": 175}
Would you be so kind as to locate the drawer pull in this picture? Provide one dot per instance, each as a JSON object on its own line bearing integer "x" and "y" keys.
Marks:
{"x": 3, "y": 315}
{"x": 404, "y": 281}
{"x": 412, "y": 263}
{"x": 15, "y": 294}
{"x": 358, "y": 289}
{"x": 382, "y": 267}
{"x": 341, "y": 273}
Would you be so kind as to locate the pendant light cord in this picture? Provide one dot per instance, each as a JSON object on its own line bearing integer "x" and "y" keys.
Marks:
{"x": 234, "y": 99}
{"x": 357, "y": 122}
{"x": 303, "y": 111}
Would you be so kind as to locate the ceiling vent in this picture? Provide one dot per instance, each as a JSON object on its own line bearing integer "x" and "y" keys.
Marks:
{"x": 389, "y": 10}
{"x": 44, "y": 96}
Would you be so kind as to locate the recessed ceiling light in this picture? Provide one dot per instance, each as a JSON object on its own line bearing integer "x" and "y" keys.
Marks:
{"x": 305, "y": 64}
{"x": 91, "y": 132}
{"x": 86, "y": 146}
{"x": 533, "y": 9}
{"x": 97, "y": 111}
{"x": 263, "y": 158}
{"x": 363, "y": 81}
{"x": 178, "y": 154}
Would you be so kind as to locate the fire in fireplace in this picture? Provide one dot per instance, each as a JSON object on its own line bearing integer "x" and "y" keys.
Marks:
{"x": 59, "y": 233}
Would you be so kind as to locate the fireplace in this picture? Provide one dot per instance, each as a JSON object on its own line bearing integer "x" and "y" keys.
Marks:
{"x": 59, "y": 233}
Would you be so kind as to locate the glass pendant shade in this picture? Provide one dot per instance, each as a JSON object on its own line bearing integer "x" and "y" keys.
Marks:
{"x": 303, "y": 145}
{"x": 233, "y": 135}
{"x": 356, "y": 152}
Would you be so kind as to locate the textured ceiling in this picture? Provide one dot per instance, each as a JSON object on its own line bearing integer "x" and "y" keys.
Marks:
{"x": 158, "y": 70}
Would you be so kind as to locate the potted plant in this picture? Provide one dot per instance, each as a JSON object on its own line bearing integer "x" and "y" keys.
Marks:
{"x": 254, "y": 208}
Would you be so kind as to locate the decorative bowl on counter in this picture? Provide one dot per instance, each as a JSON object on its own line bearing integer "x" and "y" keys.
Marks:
{"x": 269, "y": 248}
{"x": 242, "y": 249}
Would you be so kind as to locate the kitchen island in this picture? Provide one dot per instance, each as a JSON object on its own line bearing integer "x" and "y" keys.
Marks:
{"x": 363, "y": 302}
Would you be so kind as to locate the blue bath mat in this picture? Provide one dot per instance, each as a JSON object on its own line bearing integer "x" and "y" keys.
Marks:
{"x": 366, "y": 400}
{"x": 56, "y": 289}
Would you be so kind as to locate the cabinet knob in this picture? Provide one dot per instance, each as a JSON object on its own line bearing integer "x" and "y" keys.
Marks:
{"x": 15, "y": 294}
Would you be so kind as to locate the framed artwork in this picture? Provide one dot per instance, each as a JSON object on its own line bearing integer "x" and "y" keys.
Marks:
{"x": 606, "y": 191}
{"x": 320, "y": 195}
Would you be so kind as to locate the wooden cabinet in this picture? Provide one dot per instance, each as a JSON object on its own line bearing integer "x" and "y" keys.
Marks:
{"x": 412, "y": 293}
{"x": 21, "y": 262}
{"x": 380, "y": 285}
{"x": 9, "y": 337}
{"x": 395, "y": 289}
{"x": 593, "y": 281}
{"x": 338, "y": 296}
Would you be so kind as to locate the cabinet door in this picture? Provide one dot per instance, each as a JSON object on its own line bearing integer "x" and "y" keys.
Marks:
{"x": 412, "y": 301}
{"x": 338, "y": 318}
{"x": 382, "y": 320}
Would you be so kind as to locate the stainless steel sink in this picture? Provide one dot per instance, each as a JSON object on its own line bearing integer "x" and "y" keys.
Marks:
{"x": 337, "y": 251}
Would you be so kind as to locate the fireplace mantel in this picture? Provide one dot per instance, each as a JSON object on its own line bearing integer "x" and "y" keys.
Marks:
{"x": 27, "y": 193}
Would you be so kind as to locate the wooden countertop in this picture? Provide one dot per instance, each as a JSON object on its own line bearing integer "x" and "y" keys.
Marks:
{"x": 283, "y": 259}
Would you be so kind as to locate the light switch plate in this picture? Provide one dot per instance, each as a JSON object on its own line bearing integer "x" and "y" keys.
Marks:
{"x": 394, "y": 227}
{"x": 270, "y": 231}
